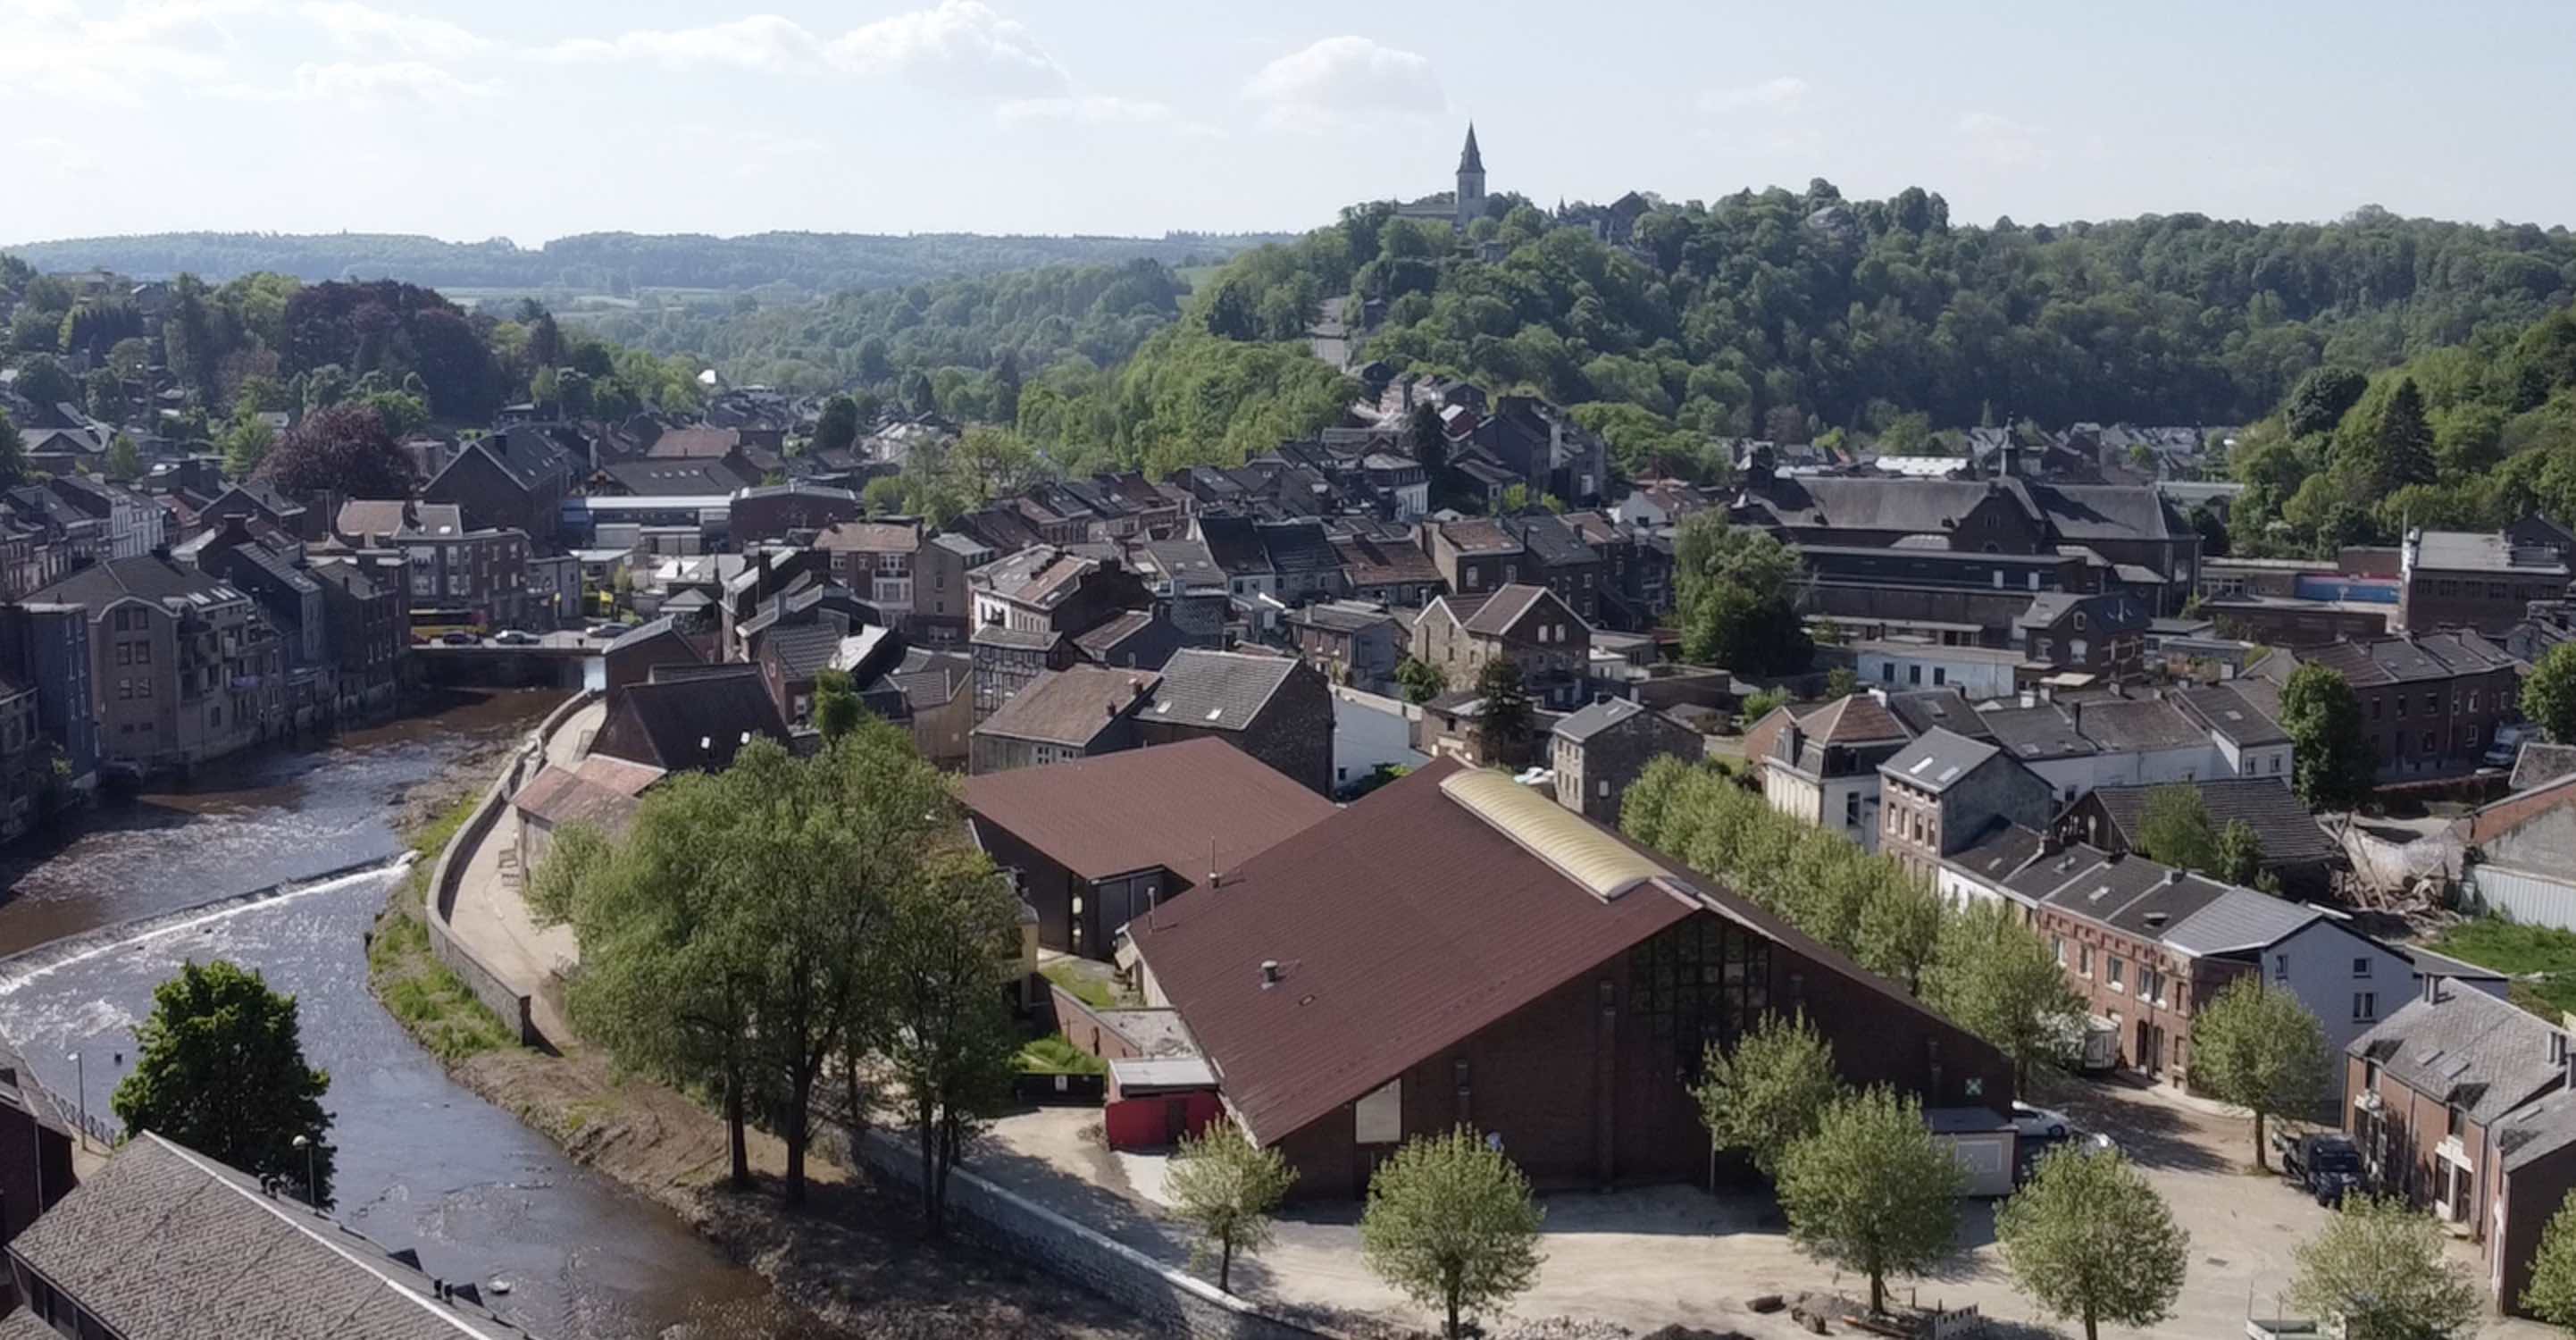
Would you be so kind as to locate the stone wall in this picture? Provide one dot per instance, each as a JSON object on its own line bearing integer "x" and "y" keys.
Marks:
{"x": 1070, "y": 1250}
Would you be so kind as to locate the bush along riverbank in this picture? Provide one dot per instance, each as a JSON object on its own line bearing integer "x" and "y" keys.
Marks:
{"x": 853, "y": 1263}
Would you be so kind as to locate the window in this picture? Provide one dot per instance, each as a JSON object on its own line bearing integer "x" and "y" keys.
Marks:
{"x": 1604, "y": 793}
{"x": 2361, "y": 967}
{"x": 2084, "y": 960}
{"x": 2365, "y": 1006}
{"x": 1940, "y": 675}
{"x": 2280, "y": 967}
{"x": 2432, "y": 702}
{"x": 2151, "y": 985}
{"x": 2111, "y": 972}
{"x": 1851, "y": 809}
{"x": 2473, "y": 700}
{"x": 1914, "y": 674}
{"x": 2429, "y": 746}
{"x": 125, "y": 653}
{"x": 2079, "y": 621}
{"x": 2401, "y": 707}
{"x": 2374, "y": 708}
{"x": 2057, "y": 946}
{"x": 1887, "y": 672}
{"x": 143, "y": 653}
{"x": 2454, "y": 1131}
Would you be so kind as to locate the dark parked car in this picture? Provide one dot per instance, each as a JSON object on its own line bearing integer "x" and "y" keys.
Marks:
{"x": 2324, "y": 1164}
{"x": 459, "y": 639}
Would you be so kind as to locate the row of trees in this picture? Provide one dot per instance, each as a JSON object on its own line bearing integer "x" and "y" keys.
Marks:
{"x": 793, "y": 926}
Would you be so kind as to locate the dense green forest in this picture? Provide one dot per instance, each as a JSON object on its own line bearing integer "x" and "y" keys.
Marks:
{"x": 1786, "y": 314}
{"x": 2469, "y": 436}
{"x": 617, "y": 263}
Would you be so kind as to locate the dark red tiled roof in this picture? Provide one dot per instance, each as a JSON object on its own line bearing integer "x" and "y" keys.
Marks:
{"x": 1178, "y": 806}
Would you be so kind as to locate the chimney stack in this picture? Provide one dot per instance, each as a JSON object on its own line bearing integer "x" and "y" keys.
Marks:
{"x": 1269, "y": 973}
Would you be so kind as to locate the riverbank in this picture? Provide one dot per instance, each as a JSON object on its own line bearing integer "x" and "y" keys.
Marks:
{"x": 853, "y": 1261}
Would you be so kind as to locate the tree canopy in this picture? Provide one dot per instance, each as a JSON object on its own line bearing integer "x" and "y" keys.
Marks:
{"x": 219, "y": 1067}
{"x": 2261, "y": 1050}
{"x": 1872, "y": 1191}
{"x": 2549, "y": 694}
{"x": 1451, "y": 1224}
{"x": 2378, "y": 1271}
{"x": 2334, "y": 765}
{"x": 344, "y": 450}
{"x": 1769, "y": 1090}
{"x": 2090, "y": 1240}
{"x": 1225, "y": 1186}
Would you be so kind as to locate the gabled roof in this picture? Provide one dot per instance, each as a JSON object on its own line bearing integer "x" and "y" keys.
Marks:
{"x": 2266, "y": 804}
{"x": 1852, "y": 719}
{"x": 1939, "y": 760}
{"x": 1939, "y": 709}
{"x": 167, "y": 1244}
{"x": 1999, "y": 852}
{"x": 1192, "y": 807}
{"x": 1071, "y": 706}
{"x": 2225, "y": 710}
{"x": 2138, "y": 725}
{"x": 1408, "y": 921}
{"x": 697, "y": 722}
{"x": 2041, "y": 732}
{"x": 656, "y": 477}
{"x": 1218, "y": 690}
{"x": 2465, "y": 1047}
{"x": 1601, "y": 716}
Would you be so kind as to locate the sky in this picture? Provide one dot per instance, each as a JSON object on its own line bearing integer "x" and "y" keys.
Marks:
{"x": 531, "y": 119}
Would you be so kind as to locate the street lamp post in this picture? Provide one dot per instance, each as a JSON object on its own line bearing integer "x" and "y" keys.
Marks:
{"x": 312, "y": 1191}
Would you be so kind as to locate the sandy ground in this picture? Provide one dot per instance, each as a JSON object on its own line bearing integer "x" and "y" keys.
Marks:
{"x": 1658, "y": 1256}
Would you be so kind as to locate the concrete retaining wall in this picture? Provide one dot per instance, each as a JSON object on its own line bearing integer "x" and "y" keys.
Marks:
{"x": 1070, "y": 1250}
{"x": 513, "y": 1007}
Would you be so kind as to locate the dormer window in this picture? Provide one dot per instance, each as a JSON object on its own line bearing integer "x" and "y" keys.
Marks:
{"x": 2079, "y": 621}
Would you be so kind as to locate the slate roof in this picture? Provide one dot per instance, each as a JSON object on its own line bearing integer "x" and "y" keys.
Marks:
{"x": 2225, "y": 710}
{"x": 1218, "y": 690}
{"x": 1184, "y": 563}
{"x": 2137, "y": 725}
{"x": 1343, "y": 616}
{"x": 1234, "y": 543}
{"x": 699, "y": 721}
{"x": 697, "y": 443}
{"x": 397, "y": 517}
{"x": 2539, "y": 763}
{"x": 655, "y": 477}
{"x": 1070, "y": 707}
{"x": 1582, "y": 725}
{"x": 1479, "y": 535}
{"x": 1494, "y": 615}
{"x": 1040, "y": 576}
{"x": 2489, "y": 1056}
{"x": 167, "y": 1244}
{"x": 1554, "y": 543}
{"x": 2041, "y": 732}
{"x": 2290, "y": 834}
{"x": 1372, "y": 560}
{"x": 1938, "y": 760}
{"x": 802, "y": 650}
{"x": 1180, "y": 806}
{"x": 2243, "y": 920}
{"x": 1298, "y": 546}
{"x": 148, "y": 577}
{"x": 1942, "y": 709}
{"x": 2000, "y": 850}
{"x": 1402, "y": 924}
{"x": 2406, "y": 659}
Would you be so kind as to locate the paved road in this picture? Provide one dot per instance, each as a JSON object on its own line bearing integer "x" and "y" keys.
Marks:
{"x": 1331, "y": 337}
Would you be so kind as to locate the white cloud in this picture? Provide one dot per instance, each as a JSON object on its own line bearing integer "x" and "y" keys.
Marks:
{"x": 366, "y": 85}
{"x": 360, "y": 27}
{"x": 1780, "y": 94}
{"x": 1088, "y": 109}
{"x": 2001, "y": 142}
{"x": 48, "y": 49}
{"x": 1342, "y": 80}
{"x": 959, "y": 46}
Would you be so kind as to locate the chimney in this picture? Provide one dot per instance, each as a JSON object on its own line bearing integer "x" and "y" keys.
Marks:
{"x": 2432, "y": 988}
{"x": 2173, "y": 875}
{"x": 2156, "y": 920}
{"x": 2075, "y": 715}
{"x": 2557, "y": 1048}
{"x": 1269, "y": 973}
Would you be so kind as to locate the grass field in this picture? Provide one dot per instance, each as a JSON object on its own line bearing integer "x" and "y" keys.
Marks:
{"x": 2541, "y": 960}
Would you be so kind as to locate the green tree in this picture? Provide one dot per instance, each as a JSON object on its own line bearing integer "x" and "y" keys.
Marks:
{"x": 1992, "y": 975}
{"x": 1503, "y": 720}
{"x": 124, "y": 462}
{"x": 836, "y": 704}
{"x": 2378, "y": 1271}
{"x": 950, "y": 1045}
{"x": 2400, "y": 445}
{"x": 2261, "y": 1050}
{"x": 1872, "y": 1191}
{"x": 1420, "y": 679}
{"x": 1762, "y": 703}
{"x": 1451, "y": 1224}
{"x": 2318, "y": 402}
{"x": 2335, "y": 767}
{"x": 1737, "y": 606}
{"x": 1841, "y": 682}
{"x": 1430, "y": 443}
{"x": 838, "y": 429}
{"x": 2240, "y": 856}
{"x": 2549, "y": 694}
{"x": 13, "y": 453}
{"x": 2551, "y": 1295}
{"x": 2090, "y": 1240}
{"x": 1225, "y": 1186}
{"x": 43, "y": 380}
{"x": 2177, "y": 829}
{"x": 246, "y": 444}
{"x": 219, "y": 1067}
{"x": 1769, "y": 1090}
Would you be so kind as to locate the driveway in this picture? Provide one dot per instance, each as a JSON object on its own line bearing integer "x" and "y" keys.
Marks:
{"x": 1655, "y": 1256}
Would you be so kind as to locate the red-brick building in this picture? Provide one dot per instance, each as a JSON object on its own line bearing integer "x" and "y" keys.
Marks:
{"x": 1459, "y": 949}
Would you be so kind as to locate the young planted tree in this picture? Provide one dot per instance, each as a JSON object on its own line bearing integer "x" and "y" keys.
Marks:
{"x": 1225, "y": 1186}
{"x": 1872, "y": 1191}
{"x": 836, "y": 704}
{"x": 2261, "y": 1050}
{"x": 1450, "y": 1222}
{"x": 2090, "y": 1241}
{"x": 220, "y": 1068}
{"x": 1995, "y": 977}
{"x": 2378, "y": 1271}
{"x": 2551, "y": 1295}
{"x": 2240, "y": 855}
{"x": 1769, "y": 1090}
{"x": 949, "y": 1045}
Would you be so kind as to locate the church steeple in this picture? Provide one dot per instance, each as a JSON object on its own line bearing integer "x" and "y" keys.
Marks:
{"x": 1471, "y": 181}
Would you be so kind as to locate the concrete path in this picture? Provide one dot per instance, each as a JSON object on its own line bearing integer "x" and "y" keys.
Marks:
{"x": 491, "y": 915}
{"x": 1331, "y": 337}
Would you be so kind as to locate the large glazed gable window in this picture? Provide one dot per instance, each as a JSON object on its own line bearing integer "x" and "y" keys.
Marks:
{"x": 1378, "y": 1117}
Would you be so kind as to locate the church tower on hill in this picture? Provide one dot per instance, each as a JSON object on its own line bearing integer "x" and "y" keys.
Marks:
{"x": 1471, "y": 181}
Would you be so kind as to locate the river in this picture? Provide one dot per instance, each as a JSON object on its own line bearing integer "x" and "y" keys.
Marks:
{"x": 422, "y": 1162}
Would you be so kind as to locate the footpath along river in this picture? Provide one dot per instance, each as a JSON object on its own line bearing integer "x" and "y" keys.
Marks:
{"x": 95, "y": 918}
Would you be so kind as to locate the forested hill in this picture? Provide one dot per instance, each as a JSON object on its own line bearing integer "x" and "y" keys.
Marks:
{"x": 615, "y": 262}
{"x": 1782, "y": 313}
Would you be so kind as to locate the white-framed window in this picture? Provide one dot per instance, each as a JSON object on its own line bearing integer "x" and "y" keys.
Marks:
{"x": 2361, "y": 967}
{"x": 2365, "y": 1006}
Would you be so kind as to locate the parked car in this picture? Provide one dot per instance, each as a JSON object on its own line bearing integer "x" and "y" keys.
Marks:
{"x": 608, "y": 630}
{"x": 2507, "y": 745}
{"x": 459, "y": 639}
{"x": 2322, "y": 1163}
{"x": 2038, "y": 1123}
{"x": 516, "y": 637}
